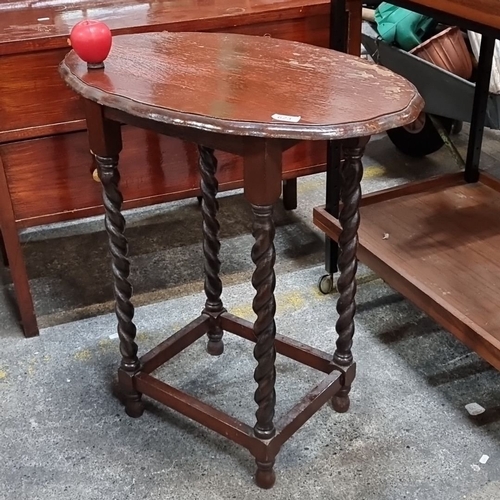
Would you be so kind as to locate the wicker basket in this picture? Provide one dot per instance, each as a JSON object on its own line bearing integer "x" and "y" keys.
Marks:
{"x": 447, "y": 50}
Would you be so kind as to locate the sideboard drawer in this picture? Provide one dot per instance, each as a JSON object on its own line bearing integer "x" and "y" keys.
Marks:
{"x": 33, "y": 95}
{"x": 50, "y": 179}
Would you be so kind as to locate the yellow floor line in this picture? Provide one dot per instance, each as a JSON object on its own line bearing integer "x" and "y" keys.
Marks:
{"x": 370, "y": 172}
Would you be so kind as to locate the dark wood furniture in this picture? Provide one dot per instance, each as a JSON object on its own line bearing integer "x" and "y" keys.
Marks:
{"x": 208, "y": 89}
{"x": 436, "y": 242}
{"x": 42, "y": 124}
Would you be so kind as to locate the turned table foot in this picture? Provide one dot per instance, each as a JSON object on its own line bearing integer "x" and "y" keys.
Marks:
{"x": 341, "y": 402}
{"x": 265, "y": 477}
{"x": 134, "y": 407}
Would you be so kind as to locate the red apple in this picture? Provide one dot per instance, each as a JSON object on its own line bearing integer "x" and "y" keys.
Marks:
{"x": 91, "y": 40}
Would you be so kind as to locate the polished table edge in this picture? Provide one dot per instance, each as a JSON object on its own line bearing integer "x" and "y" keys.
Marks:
{"x": 120, "y": 108}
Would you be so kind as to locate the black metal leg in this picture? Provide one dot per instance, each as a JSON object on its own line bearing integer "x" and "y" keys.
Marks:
{"x": 338, "y": 25}
{"x": 334, "y": 159}
{"x": 479, "y": 110}
{"x": 338, "y": 41}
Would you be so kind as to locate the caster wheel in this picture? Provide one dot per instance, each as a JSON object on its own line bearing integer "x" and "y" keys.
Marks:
{"x": 420, "y": 138}
{"x": 325, "y": 284}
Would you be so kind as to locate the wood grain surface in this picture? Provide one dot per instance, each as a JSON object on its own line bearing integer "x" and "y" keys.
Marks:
{"x": 27, "y": 26}
{"x": 32, "y": 95}
{"x": 63, "y": 187}
{"x": 436, "y": 242}
{"x": 45, "y": 182}
{"x": 243, "y": 85}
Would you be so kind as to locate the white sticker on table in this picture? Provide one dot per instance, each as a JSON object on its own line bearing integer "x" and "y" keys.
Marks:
{"x": 286, "y": 118}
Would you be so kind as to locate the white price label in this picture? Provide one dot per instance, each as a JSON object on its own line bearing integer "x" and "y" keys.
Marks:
{"x": 286, "y": 118}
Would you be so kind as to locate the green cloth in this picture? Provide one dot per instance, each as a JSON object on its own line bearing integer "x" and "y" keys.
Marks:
{"x": 402, "y": 27}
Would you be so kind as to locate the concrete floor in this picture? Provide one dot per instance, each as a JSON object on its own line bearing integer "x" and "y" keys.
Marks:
{"x": 64, "y": 435}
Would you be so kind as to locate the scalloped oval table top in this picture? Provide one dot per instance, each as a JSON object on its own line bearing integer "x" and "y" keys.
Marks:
{"x": 246, "y": 85}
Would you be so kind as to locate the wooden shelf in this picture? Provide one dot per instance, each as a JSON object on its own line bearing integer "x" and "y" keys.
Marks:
{"x": 438, "y": 243}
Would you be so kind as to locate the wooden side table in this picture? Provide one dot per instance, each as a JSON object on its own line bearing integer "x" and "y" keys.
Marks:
{"x": 208, "y": 88}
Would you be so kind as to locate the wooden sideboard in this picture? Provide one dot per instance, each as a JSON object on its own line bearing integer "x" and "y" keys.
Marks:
{"x": 45, "y": 164}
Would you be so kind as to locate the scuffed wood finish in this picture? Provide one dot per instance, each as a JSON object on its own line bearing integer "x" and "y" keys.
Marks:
{"x": 441, "y": 252}
{"x": 303, "y": 82}
{"x": 51, "y": 108}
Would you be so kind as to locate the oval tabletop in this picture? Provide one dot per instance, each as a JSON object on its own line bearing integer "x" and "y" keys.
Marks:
{"x": 246, "y": 85}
